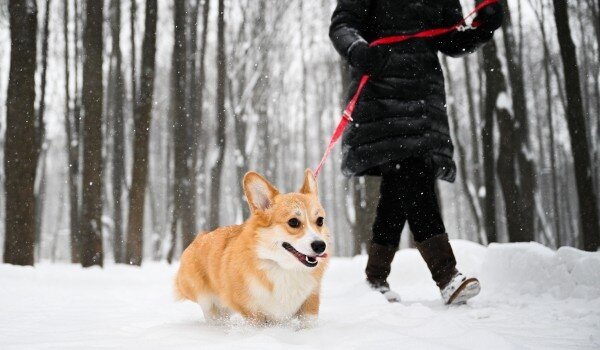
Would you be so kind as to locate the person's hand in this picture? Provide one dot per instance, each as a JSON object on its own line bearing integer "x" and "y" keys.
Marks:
{"x": 490, "y": 17}
{"x": 368, "y": 60}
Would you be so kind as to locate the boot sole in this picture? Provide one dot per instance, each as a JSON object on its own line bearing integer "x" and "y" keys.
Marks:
{"x": 469, "y": 289}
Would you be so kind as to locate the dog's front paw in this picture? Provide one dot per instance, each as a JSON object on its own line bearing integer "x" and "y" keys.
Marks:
{"x": 307, "y": 322}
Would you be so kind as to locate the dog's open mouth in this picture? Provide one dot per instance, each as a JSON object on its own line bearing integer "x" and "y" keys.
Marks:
{"x": 310, "y": 261}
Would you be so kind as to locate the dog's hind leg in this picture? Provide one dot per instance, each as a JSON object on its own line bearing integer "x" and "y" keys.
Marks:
{"x": 223, "y": 313}
{"x": 209, "y": 309}
{"x": 213, "y": 311}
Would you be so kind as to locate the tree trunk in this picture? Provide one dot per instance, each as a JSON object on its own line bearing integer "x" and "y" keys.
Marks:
{"x": 92, "y": 253}
{"x": 494, "y": 84}
{"x": 539, "y": 124}
{"x": 191, "y": 93}
{"x": 365, "y": 196}
{"x": 541, "y": 20}
{"x": 357, "y": 203}
{"x": 585, "y": 67}
{"x": 596, "y": 19}
{"x": 521, "y": 228}
{"x": 475, "y": 137}
{"x": 40, "y": 134}
{"x": 258, "y": 75}
{"x": 19, "y": 149}
{"x": 304, "y": 92}
{"x": 77, "y": 125}
{"x": 241, "y": 163}
{"x": 462, "y": 154}
{"x": 215, "y": 174}
{"x": 182, "y": 131}
{"x": 236, "y": 92}
{"x": 584, "y": 73}
{"x": 260, "y": 102}
{"x": 199, "y": 157}
{"x": 588, "y": 205}
{"x": 72, "y": 148}
{"x": 142, "y": 117}
{"x": 507, "y": 174}
{"x": 40, "y": 199}
{"x": 132, "y": 19}
{"x": 40, "y": 127}
{"x": 116, "y": 110}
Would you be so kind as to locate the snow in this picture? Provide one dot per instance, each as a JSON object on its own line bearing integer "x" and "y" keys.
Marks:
{"x": 504, "y": 102}
{"x": 532, "y": 298}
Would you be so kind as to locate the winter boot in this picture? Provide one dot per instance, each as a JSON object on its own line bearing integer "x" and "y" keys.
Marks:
{"x": 378, "y": 269}
{"x": 454, "y": 286}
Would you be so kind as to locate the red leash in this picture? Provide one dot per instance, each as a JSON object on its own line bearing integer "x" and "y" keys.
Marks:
{"x": 347, "y": 116}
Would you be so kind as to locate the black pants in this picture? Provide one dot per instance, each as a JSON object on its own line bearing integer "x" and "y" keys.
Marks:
{"x": 407, "y": 193}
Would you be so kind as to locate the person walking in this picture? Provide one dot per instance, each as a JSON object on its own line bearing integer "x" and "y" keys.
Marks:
{"x": 400, "y": 125}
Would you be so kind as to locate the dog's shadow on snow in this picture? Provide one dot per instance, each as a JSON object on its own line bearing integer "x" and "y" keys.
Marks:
{"x": 232, "y": 326}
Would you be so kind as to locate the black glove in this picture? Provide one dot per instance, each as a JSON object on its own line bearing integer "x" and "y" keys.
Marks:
{"x": 490, "y": 18}
{"x": 368, "y": 60}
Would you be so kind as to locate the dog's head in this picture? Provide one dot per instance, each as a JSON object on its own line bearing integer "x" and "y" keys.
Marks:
{"x": 290, "y": 227}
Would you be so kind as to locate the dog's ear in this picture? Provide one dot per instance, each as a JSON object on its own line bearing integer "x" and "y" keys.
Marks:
{"x": 259, "y": 192}
{"x": 310, "y": 183}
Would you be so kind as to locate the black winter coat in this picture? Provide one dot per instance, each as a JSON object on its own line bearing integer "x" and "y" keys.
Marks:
{"x": 402, "y": 110}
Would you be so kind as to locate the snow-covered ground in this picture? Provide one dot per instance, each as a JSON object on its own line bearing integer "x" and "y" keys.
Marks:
{"x": 532, "y": 298}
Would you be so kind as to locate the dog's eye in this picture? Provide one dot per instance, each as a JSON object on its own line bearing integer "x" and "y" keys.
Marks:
{"x": 320, "y": 220}
{"x": 293, "y": 222}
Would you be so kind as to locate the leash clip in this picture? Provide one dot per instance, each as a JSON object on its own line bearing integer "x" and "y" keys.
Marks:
{"x": 465, "y": 27}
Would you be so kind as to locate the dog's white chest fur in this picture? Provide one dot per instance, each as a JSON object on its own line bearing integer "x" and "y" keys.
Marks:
{"x": 290, "y": 289}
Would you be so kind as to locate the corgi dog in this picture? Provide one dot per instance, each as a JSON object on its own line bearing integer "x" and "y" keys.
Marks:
{"x": 267, "y": 269}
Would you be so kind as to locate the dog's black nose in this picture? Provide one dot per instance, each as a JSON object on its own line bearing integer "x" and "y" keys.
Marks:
{"x": 318, "y": 246}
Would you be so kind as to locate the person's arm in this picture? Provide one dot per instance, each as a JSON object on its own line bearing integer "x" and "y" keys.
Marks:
{"x": 462, "y": 42}
{"x": 346, "y": 33}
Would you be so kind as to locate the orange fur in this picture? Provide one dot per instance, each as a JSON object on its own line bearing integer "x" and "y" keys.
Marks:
{"x": 226, "y": 269}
